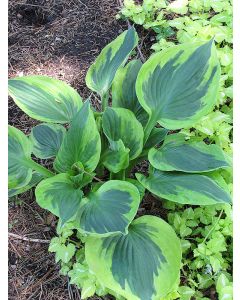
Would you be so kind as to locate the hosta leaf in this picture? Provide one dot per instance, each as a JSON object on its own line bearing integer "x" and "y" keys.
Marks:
{"x": 195, "y": 189}
{"x": 59, "y": 195}
{"x": 101, "y": 74}
{"x": 176, "y": 154}
{"x": 141, "y": 265}
{"x": 81, "y": 143}
{"x": 19, "y": 154}
{"x": 179, "y": 85}
{"x": 36, "y": 178}
{"x": 44, "y": 98}
{"x": 124, "y": 92}
{"x": 116, "y": 158}
{"x": 156, "y": 136}
{"x": 121, "y": 124}
{"x": 110, "y": 209}
{"x": 47, "y": 139}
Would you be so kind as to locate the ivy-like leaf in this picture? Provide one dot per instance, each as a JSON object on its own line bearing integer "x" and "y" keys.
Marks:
{"x": 19, "y": 154}
{"x": 176, "y": 154}
{"x": 124, "y": 92}
{"x": 59, "y": 195}
{"x": 47, "y": 139}
{"x": 185, "y": 188}
{"x": 121, "y": 124}
{"x": 141, "y": 265}
{"x": 179, "y": 85}
{"x": 81, "y": 143}
{"x": 110, "y": 209}
{"x": 45, "y": 99}
{"x": 101, "y": 74}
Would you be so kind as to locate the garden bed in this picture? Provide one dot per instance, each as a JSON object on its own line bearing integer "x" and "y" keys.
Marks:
{"x": 61, "y": 40}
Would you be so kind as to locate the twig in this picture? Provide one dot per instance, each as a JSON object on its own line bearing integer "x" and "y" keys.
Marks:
{"x": 129, "y": 25}
{"x": 19, "y": 255}
{"x": 16, "y": 236}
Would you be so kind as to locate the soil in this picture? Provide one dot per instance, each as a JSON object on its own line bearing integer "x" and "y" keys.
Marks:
{"x": 59, "y": 39}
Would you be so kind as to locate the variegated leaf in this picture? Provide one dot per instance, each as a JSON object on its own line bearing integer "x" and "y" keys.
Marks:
{"x": 101, "y": 74}
{"x": 191, "y": 156}
{"x": 179, "y": 85}
{"x": 141, "y": 265}
{"x": 47, "y": 139}
{"x": 110, "y": 209}
{"x": 44, "y": 98}
{"x": 81, "y": 143}
{"x": 121, "y": 124}
{"x": 185, "y": 188}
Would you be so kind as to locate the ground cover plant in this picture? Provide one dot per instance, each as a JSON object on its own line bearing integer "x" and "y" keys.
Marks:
{"x": 102, "y": 245}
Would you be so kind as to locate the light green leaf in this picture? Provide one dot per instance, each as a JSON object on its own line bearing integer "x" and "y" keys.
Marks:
{"x": 88, "y": 289}
{"x": 110, "y": 209}
{"x": 121, "y": 124}
{"x": 116, "y": 158}
{"x": 141, "y": 265}
{"x": 178, "y": 85}
{"x": 195, "y": 189}
{"x": 81, "y": 143}
{"x": 19, "y": 155}
{"x": 47, "y": 139}
{"x": 101, "y": 74}
{"x": 124, "y": 92}
{"x": 59, "y": 195}
{"x": 44, "y": 98}
{"x": 185, "y": 292}
{"x": 36, "y": 178}
{"x": 178, "y": 7}
{"x": 177, "y": 154}
{"x": 65, "y": 253}
{"x": 222, "y": 282}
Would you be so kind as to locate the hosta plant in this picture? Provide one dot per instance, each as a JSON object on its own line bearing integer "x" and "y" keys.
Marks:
{"x": 91, "y": 187}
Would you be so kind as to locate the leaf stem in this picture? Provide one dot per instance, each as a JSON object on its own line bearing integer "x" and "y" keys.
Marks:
{"x": 149, "y": 127}
{"x": 104, "y": 100}
{"x": 40, "y": 169}
{"x": 210, "y": 231}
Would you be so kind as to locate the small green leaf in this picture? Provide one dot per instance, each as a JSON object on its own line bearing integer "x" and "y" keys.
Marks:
{"x": 59, "y": 195}
{"x": 19, "y": 154}
{"x": 110, "y": 209}
{"x": 195, "y": 189}
{"x": 101, "y": 74}
{"x": 191, "y": 156}
{"x": 54, "y": 244}
{"x": 44, "y": 98}
{"x": 47, "y": 139}
{"x": 121, "y": 124}
{"x": 65, "y": 253}
{"x": 88, "y": 289}
{"x": 143, "y": 264}
{"x": 81, "y": 143}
